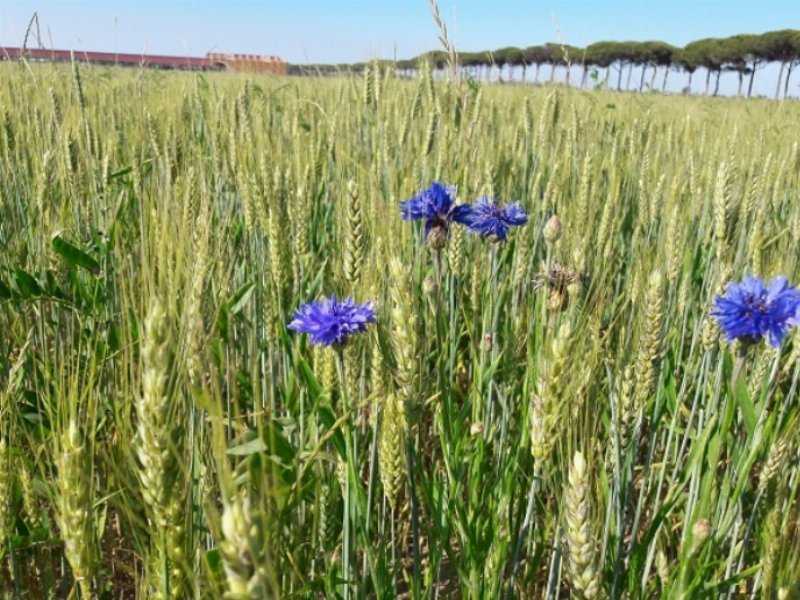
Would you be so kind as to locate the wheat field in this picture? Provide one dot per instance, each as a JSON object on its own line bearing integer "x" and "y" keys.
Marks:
{"x": 552, "y": 416}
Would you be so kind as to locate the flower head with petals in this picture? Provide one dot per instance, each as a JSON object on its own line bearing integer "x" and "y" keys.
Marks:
{"x": 437, "y": 207}
{"x": 488, "y": 219}
{"x": 330, "y": 322}
{"x": 749, "y": 311}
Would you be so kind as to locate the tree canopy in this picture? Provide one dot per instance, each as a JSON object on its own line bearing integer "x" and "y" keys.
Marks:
{"x": 742, "y": 54}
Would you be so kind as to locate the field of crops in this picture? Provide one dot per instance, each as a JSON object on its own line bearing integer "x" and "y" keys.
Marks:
{"x": 553, "y": 415}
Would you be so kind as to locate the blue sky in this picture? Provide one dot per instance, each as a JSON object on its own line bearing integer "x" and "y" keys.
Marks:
{"x": 358, "y": 30}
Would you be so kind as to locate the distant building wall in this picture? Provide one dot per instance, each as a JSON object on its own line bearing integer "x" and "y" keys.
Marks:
{"x": 248, "y": 63}
{"x": 244, "y": 63}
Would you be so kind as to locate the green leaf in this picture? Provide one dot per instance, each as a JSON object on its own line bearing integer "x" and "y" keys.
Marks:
{"x": 120, "y": 173}
{"x": 250, "y": 447}
{"x": 27, "y": 284}
{"x": 74, "y": 255}
{"x": 240, "y": 299}
{"x": 114, "y": 337}
{"x": 698, "y": 449}
{"x": 223, "y": 318}
{"x": 312, "y": 384}
{"x": 726, "y": 584}
{"x": 214, "y": 562}
{"x": 5, "y": 292}
{"x": 328, "y": 419}
{"x": 271, "y": 442}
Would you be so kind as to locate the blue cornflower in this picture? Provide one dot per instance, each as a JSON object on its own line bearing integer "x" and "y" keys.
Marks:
{"x": 437, "y": 207}
{"x": 493, "y": 221}
{"x": 330, "y": 322}
{"x": 749, "y": 311}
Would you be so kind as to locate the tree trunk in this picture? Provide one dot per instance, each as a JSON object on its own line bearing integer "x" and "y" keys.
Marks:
{"x": 792, "y": 65}
{"x": 619, "y": 79}
{"x": 741, "y": 81}
{"x": 553, "y": 73}
{"x": 689, "y": 87}
{"x": 584, "y": 75}
{"x": 653, "y": 77}
{"x": 708, "y": 81}
{"x": 664, "y": 85}
{"x": 752, "y": 77}
{"x": 716, "y": 87}
{"x": 628, "y": 81}
{"x": 536, "y": 73}
{"x": 641, "y": 79}
{"x": 524, "y": 71}
{"x": 780, "y": 78}
{"x": 608, "y": 75}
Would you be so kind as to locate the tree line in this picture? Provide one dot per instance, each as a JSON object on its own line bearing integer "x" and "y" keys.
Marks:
{"x": 605, "y": 61}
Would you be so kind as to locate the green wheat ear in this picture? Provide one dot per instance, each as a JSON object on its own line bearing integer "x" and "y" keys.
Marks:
{"x": 545, "y": 404}
{"x": 651, "y": 341}
{"x": 75, "y": 510}
{"x": 355, "y": 243}
{"x": 581, "y": 545}
{"x": 404, "y": 335}
{"x": 158, "y": 448}
{"x": 244, "y": 548}
{"x": 391, "y": 453}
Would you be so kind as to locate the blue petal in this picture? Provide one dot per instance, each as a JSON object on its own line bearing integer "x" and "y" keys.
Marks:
{"x": 329, "y": 321}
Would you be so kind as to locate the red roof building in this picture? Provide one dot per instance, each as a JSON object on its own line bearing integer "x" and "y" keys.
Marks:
{"x": 210, "y": 62}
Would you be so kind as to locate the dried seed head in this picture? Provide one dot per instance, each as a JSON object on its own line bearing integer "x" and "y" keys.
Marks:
{"x": 488, "y": 341}
{"x": 701, "y": 530}
{"x": 437, "y": 237}
{"x": 558, "y": 277}
{"x": 662, "y": 567}
{"x": 462, "y": 377}
{"x": 556, "y": 301}
{"x": 553, "y": 229}
{"x": 428, "y": 286}
{"x": 574, "y": 289}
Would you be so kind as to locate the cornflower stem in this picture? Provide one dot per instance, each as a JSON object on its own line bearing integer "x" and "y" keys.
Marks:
{"x": 350, "y": 462}
{"x": 437, "y": 268}
{"x": 738, "y": 365}
{"x": 373, "y": 464}
{"x": 452, "y": 295}
{"x": 490, "y": 329}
